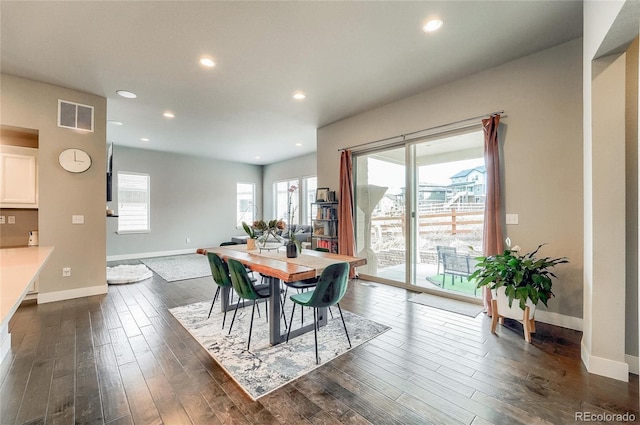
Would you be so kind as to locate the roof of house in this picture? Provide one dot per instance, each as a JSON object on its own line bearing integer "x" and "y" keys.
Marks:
{"x": 463, "y": 173}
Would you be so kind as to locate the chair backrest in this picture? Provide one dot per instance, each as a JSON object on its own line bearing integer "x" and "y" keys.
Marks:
{"x": 444, "y": 250}
{"x": 331, "y": 286}
{"x": 219, "y": 270}
{"x": 228, "y": 243}
{"x": 240, "y": 280}
{"x": 456, "y": 263}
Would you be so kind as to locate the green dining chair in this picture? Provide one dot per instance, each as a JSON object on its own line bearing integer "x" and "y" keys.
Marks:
{"x": 245, "y": 289}
{"x": 301, "y": 285}
{"x": 220, "y": 274}
{"x": 331, "y": 287}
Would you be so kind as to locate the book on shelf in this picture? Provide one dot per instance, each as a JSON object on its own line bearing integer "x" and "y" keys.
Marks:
{"x": 326, "y": 213}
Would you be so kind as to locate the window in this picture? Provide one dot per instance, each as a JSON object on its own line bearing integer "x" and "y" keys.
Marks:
{"x": 133, "y": 202}
{"x": 309, "y": 185}
{"x": 246, "y": 203}
{"x": 281, "y": 204}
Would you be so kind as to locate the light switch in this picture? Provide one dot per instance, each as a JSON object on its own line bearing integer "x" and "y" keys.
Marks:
{"x": 77, "y": 219}
{"x": 2, "y": 219}
{"x": 12, "y": 219}
{"x": 512, "y": 218}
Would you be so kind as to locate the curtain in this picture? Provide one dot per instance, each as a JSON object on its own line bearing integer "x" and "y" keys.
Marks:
{"x": 492, "y": 239}
{"x": 346, "y": 234}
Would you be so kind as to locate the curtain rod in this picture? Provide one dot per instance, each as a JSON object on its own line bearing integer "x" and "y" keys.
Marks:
{"x": 404, "y": 136}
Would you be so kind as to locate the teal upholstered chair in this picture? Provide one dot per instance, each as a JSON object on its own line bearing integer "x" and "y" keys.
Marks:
{"x": 301, "y": 285}
{"x": 330, "y": 288}
{"x": 220, "y": 274}
{"x": 243, "y": 286}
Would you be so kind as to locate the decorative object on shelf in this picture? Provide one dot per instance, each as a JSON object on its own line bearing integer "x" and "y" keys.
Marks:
{"x": 322, "y": 194}
{"x": 270, "y": 239}
{"x": 74, "y": 160}
{"x": 251, "y": 242}
{"x": 524, "y": 278}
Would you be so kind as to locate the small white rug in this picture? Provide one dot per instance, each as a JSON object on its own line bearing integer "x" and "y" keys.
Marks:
{"x": 266, "y": 368}
{"x": 448, "y": 304}
{"x": 127, "y": 273}
{"x": 179, "y": 267}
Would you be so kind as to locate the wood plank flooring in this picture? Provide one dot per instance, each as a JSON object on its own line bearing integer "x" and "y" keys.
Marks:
{"x": 122, "y": 358}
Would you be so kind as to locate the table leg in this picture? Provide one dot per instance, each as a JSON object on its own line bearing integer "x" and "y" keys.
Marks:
{"x": 275, "y": 336}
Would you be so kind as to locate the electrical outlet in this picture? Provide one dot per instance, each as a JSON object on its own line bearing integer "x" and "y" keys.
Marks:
{"x": 66, "y": 271}
{"x": 12, "y": 219}
{"x": 77, "y": 219}
{"x": 2, "y": 219}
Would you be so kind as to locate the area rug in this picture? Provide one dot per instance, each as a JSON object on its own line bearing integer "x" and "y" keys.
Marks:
{"x": 448, "y": 304}
{"x": 265, "y": 368}
{"x": 179, "y": 267}
{"x": 127, "y": 274}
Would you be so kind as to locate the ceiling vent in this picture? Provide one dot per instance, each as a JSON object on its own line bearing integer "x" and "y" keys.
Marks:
{"x": 74, "y": 115}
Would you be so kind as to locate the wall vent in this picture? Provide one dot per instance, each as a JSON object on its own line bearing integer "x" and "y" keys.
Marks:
{"x": 75, "y": 115}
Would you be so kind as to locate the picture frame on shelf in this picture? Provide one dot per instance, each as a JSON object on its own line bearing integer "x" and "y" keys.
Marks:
{"x": 322, "y": 194}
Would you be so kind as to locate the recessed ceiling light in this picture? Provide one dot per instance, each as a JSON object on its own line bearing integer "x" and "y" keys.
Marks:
{"x": 115, "y": 122}
{"x": 207, "y": 61}
{"x": 144, "y": 139}
{"x": 298, "y": 144}
{"x": 432, "y": 25}
{"x": 257, "y": 157}
{"x": 299, "y": 95}
{"x": 168, "y": 114}
{"x": 127, "y": 94}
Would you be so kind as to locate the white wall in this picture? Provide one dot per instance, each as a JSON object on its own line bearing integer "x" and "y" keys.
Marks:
{"x": 606, "y": 24}
{"x": 34, "y": 105}
{"x": 191, "y": 197}
{"x": 542, "y": 99}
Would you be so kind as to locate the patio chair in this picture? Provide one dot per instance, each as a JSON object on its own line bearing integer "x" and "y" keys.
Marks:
{"x": 440, "y": 250}
{"x": 456, "y": 265}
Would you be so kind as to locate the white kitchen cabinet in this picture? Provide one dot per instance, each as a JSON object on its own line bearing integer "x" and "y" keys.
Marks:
{"x": 18, "y": 177}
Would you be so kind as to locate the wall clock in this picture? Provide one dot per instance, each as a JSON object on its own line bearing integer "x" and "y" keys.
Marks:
{"x": 74, "y": 160}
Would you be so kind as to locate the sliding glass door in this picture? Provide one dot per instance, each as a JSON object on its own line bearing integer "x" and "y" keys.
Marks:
{"x": 420, "y": 205}
{"x": 380, "y": 213}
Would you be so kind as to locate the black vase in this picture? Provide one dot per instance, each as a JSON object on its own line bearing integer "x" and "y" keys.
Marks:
{"x": 292, "y": 250}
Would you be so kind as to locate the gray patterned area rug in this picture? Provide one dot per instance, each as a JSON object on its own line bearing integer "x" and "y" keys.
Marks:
{"x": 266, "y": 368}
{"x": 179, "y": 267}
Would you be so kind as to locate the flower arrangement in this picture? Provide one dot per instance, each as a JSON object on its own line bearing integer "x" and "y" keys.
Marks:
{"x": 290, "y": 213}
{"x": 523, "y": 276}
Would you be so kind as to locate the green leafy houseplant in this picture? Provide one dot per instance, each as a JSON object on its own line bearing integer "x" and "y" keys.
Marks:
{"x": 251, "y": 231}
{"x": 523, "y": 276}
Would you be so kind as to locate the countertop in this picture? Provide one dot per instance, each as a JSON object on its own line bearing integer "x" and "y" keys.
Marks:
{"x": 19, "y": 267}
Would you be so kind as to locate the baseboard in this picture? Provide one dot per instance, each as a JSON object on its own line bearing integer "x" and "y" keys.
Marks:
{"x": 604, "y": 367}
{"x": 634, "y": 364}
{"x": 136, "y": 256}
{"x": 69, "y": 294}
{"x": 558, "y": 319}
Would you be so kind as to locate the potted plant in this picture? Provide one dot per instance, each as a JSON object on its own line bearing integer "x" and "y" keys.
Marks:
{"x": 251, "y": 231}
{"x": 512, "y": 276}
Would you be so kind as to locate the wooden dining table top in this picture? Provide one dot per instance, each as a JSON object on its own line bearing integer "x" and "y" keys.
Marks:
{"x": 308, "y": 264}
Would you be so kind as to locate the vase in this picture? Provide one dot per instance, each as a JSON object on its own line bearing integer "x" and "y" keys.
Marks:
{"x": 292, "y": 250}
{"x": 270, "y": 240}
{"x": 251, "y": 244}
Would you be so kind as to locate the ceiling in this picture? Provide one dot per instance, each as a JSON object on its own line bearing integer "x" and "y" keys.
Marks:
{"x": 347, "y": 57}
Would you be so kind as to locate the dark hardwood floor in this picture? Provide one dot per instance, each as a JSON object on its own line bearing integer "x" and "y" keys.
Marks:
{"x": 122, "y": 358}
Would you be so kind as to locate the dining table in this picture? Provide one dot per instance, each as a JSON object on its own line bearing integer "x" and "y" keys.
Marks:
{"x": 276, "y": 267}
